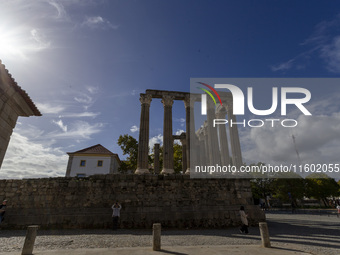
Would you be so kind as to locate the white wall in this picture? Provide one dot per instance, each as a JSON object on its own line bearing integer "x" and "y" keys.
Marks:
{"x": 91, "y": 165}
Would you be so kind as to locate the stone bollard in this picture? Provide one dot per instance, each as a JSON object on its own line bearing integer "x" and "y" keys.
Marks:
{"x": 264, "y": 234}
{"x": 156, "y": 245}
{"x": 29, "y": 240}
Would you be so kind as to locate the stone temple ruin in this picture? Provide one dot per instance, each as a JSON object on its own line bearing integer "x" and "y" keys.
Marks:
{"x": 207, "y": 150}
{"x": 175, "y": 201}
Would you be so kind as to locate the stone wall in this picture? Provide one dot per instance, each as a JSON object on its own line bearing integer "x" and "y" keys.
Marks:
{"x": 174, "y": 201}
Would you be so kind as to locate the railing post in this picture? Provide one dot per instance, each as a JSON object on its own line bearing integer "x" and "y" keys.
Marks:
{"x": 156, "y": 245}
{"x": 264, "y": 234}
{"x": 31, "y": 234}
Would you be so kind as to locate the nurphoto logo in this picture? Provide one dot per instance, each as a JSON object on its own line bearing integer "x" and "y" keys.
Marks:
{"x": 238, "y": 104}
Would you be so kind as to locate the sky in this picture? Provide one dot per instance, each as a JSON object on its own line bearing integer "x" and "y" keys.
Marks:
{"x": 84, "y": 64}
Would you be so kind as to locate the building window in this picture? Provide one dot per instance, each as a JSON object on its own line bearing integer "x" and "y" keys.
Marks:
{"x": 82, "y": 162}
{"x": 81, "y": 175}
{"x": 100, "y": 163}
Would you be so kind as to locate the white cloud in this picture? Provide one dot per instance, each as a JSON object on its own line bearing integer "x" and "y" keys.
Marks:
{"x": 60, "y": 124}
{"x": 61, "y": 13}
{"x": 78, "y": 130}
{"x": 84, "y": 99}
{"x": 323, "y": 43}
{"x": 48, "y": 108}
{"x": 283, "y": 66}
{"x": 28, "y": 159}
{"x": 41, "y": 42}
{"x": 134, "y": 129}
{"x": 331, "y": 54}
{"x": 180, "y": 131}
{"x": 181, "y": 120}
{"x": 317, "y": 140}
{"x": 93, "y": 89}
{"x": 22, "y": 42}
{"x": 98, "y": 22}
{"x": 154, "y": 140}
{"x": 80, "y": 115}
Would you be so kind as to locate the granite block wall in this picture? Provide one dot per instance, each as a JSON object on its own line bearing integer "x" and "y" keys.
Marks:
{"x": 175, "y": 201}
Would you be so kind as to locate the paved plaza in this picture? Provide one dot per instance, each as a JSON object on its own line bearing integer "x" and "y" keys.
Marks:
{"x": 290, "y": 234}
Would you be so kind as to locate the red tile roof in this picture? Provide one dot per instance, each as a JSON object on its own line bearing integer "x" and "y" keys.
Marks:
{"x": 96, "y": 149}
{"x": 22, "y": 92}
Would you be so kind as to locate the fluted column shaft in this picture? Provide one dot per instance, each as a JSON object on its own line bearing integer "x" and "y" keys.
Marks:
{"x": 143, "y": 143}
{"x": 190, "y": 124}
{"x": 184, "y": 155}
{"x": 234, "y": 139}
{"x": 207, "y": 156}
{"x": 215, "y": 157}
{"x": 168, "y": 149}
{"x": 224, "y": 148}
{"x": 156, "y": 165}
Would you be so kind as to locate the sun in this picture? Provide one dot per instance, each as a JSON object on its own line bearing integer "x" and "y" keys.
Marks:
{"x": 12, "y": 44}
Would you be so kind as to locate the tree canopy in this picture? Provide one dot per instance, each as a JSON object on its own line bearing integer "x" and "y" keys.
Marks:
{"x": 321, "y": 186}
{"x": 129, "y": 146}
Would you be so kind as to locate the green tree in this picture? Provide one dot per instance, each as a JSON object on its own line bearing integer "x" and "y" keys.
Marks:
{"x": 178, "y": 158}
{"x": 129, "y": 146}
{"x": 261, "y": 185}
{"x": 321, "y": 186}
{"x": 289, "y": 187}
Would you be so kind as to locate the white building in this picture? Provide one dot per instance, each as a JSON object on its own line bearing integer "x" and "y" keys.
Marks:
{"x": 93, "y": 160}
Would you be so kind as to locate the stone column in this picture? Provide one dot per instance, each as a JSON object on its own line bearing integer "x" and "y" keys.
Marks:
{"x": 202, "y": 145}
{"x": 31, "y": 234}
{"x": 168, "y": 149}
{"x": 215, "y": 157}
{"x": 184, "y": 155}
{"x": 224, "y": 148}
{"x": 156, "y": 166}
{"x": 190, "y": 125}
{"x": 143, "y": 143}
{"x": 234, "y": 139}
{"x": 207, "y": 155}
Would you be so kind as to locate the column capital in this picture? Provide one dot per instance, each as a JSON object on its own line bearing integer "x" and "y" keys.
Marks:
{"x": 221, "y": 112}
{"x": 189, "y": 101}
{"x": 205, "y": 128}
{"x": 210, "y": 103}
{"x": 167, "y": 100}
{"x": 229, "y": 109}
{"x": 145, "y": 99}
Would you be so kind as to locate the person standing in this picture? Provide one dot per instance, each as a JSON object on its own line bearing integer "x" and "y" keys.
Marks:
{"x": 244, "y": 228}
{"x": 338, "y": 207}
{"x": 116, "y": 214}
{"x": 2, "y": 210}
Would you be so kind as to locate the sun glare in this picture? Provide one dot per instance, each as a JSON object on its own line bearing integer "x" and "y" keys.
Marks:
{"x": 11, "y": 44}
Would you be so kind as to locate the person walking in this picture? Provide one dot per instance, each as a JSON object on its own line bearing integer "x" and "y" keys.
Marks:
{"x": 244, "y": 228}
{"x": 2, "y": 210}
{"x": 116, "y": 214}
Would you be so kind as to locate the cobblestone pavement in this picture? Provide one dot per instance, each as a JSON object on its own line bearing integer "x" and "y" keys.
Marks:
{"x": 311, "y": 233}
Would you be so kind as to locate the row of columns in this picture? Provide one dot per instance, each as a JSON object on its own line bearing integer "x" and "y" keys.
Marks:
{"x": 212, "y": 146}
{"x": 168, "y": 153}
{"x": 213, "y": 142}
{"x": 156, "y": 164}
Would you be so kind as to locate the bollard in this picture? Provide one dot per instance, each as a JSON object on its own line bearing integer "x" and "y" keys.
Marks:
{"x": 156, "y": 245}
{"x": 29, "y": 240}
{"x": 264, "y": 234}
